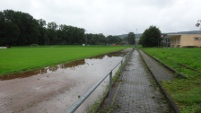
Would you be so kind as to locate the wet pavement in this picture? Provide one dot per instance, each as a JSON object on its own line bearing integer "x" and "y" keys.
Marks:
{"x": 160, "y": 72}
{"x": 53, "y": 89}
{"x": 136, "y": 91}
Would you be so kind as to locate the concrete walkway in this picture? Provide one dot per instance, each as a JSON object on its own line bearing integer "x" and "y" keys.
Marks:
{"x": 137, "y": 91}
{"x": 160, "y": 73}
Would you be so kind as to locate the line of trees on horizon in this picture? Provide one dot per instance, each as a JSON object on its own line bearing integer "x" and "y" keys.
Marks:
{"x": 19, "y": 29}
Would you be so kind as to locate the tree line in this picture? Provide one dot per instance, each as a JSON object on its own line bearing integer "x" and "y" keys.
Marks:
{"x": 19, "y": 29}
{"x": 100, "y": 39}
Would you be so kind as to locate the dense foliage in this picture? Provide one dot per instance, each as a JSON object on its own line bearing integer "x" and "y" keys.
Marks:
{"x": 100, "y": 39}
{"x": 151, "y": 37}
{"x": 19, "y": 28}
{"x": 131, "y": 38}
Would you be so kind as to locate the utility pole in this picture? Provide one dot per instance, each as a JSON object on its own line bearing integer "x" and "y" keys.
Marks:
{"x": 107, "y": 40}
{"x": 136, "y": 38}
{"x": 86, "y": 39}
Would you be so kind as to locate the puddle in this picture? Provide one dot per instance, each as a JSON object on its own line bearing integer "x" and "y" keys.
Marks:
{"x": 70, "y": 65}
{"x": 55, "y": 88}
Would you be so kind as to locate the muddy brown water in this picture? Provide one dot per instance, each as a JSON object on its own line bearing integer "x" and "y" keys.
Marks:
{"x": 54, "y": 89}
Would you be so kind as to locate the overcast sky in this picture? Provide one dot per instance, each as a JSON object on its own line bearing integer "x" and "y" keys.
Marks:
{"x": 113, "y": 17}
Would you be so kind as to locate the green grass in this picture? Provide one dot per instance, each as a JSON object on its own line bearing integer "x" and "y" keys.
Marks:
{"x": 185, "y": 92}
{"x": 173, "y": 56}
{"x": 18, "y": 59}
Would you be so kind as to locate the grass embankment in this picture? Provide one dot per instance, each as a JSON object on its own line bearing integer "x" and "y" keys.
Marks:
{"x": 19, "y": 59}
{"x": 185, "y": 92}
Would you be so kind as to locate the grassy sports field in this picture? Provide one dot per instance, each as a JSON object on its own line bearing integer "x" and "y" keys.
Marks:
{"x": 185, "y": 92}
{"x": 17, "y": 59}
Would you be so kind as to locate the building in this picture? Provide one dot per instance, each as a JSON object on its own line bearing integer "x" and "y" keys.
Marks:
{"x": 185, "y": 40}
{"x": 165, "y": 42}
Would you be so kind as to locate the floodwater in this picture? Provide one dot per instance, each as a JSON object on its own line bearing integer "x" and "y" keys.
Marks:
{"x": 54, "y": 89}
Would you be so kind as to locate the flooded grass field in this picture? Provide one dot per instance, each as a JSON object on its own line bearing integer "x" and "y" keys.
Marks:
{"x": 55, "y": 88}
{"x": 20, "y": 59}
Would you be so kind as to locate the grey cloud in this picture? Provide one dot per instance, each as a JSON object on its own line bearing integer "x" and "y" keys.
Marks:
{"x": 113, "y": 16}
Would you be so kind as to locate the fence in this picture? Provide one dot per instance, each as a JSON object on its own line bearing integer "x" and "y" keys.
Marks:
{"x": 76, "y": 105}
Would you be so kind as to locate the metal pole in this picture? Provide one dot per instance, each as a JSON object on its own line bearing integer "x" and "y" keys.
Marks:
{"x": 74, "y": 107}
{"x": 121, "y": 70}
{"x": 166, "y": 42}
{"x": 107, "y": 40}
{"x": 136, "y": 39}
{"x": 86, "y": 39}
{"x": 110, "y": 90}
{"x": 121, "y": 67}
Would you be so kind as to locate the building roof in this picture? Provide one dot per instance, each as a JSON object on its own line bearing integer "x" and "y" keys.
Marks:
{"x": 174, "y": 35}
{"x": 187, "y": 32}
{"x": 171, "y": 35}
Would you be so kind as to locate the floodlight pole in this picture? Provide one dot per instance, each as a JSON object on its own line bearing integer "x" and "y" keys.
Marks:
{"x": 86, "y": 39}
{"x": 136, "y": 38}
{"x": 107, "y": 40}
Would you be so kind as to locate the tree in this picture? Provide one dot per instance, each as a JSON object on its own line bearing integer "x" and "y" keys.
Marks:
{"x": 28, "y": 27}
{"x": 70, "y": 34}
{"x": 18, "y": 28}
{"x": 96, "y": 39}
{"x": 52, "y": 32}
{"x": 114, "y": 39}
{"x": 42, "y": 38}
{"x": 9, "y": 31}
{"x": 198, "y": 23}
{"x": 131, "y": 38}
{"x": 151, "y": 37}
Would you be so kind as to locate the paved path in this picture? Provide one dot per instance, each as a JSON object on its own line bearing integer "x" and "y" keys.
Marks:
{"x": 137, "y": 92}
{"x": 160, "y": 73}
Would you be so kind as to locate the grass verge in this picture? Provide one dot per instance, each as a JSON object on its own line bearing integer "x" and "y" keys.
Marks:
{"x": 18, "y": 59}
{"x": 185, "y": 92}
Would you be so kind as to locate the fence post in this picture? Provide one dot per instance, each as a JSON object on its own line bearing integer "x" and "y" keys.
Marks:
{"x": 110, "y": 90}
{"x": 121, "y": 67}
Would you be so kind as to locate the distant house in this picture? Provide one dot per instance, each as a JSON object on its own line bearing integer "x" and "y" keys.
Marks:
{"x": 184, "y": 40}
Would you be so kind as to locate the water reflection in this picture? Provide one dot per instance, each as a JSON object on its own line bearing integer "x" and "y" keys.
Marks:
{"x": 55, "y": 88}
{"x": 70, "y": 65}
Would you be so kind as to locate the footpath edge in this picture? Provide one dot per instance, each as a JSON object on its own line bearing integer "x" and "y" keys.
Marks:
{"x": 167, "y": 96}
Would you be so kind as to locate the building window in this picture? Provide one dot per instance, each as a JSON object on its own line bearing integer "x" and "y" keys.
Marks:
{"x": 179, "y": 40}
